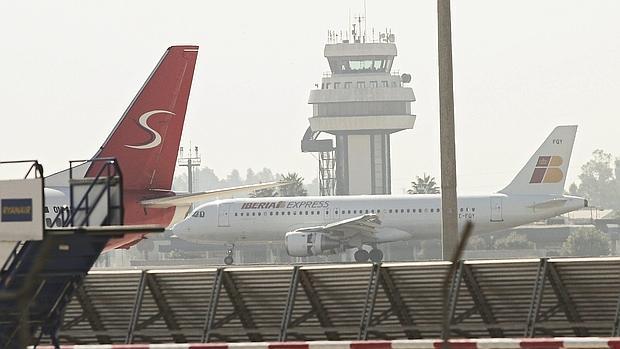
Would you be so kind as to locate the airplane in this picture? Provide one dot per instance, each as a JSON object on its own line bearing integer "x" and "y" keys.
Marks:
{"x": 313, "y": 226}
{"x": 145, "y": 143}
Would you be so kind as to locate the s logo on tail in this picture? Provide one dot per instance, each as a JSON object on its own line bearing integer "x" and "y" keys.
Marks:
{"x": 156, "y": 137}
{"x": 548, "y": 170}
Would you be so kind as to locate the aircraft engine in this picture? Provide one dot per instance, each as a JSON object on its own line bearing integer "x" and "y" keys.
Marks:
{"x": 309, "y": 243}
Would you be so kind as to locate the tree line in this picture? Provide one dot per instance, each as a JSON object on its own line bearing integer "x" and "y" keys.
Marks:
{"x": 206, "y": 179}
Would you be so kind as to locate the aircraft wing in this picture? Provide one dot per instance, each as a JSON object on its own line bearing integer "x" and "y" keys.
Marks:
{"x": 365, "y": 225}
{"x": 225, "y": 193}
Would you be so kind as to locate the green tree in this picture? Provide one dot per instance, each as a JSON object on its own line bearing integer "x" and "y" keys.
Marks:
{"x": 598, "y": 181}
{"x": 424, "y": 185}
{"x": 295, "y": 186}
{"x": 514, "y": 241}
{"x": 586, "y": 242}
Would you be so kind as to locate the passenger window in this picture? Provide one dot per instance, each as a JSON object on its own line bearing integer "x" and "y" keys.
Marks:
{"x": 384, "y": 83}
{"x": 432, "y": 210}
{"x": 366, "y": 211}
{"x": 347, "y": 84}
{"x": 361, "y": 84}
{"x": 390, "y": 211}
{"x": 373, "y": 84}
{"x": 473, "y": 209}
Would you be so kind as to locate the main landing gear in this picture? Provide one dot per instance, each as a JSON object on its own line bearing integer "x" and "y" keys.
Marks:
{"x": 228, "y": 260}
{"x": 375, "y": 255}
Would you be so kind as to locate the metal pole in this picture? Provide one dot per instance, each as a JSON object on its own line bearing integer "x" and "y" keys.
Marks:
{"x": 190, "y": 180}
{"x": 449, "y": 221}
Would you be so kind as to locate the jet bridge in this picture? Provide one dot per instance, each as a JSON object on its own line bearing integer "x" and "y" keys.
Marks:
{"x": 47, "y": 265}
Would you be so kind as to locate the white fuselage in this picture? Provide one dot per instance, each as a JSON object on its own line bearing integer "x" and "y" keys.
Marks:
{"x": 402, "y": 217}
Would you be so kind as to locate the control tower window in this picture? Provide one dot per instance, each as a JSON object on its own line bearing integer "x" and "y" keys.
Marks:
{"x": 344, "y": 65}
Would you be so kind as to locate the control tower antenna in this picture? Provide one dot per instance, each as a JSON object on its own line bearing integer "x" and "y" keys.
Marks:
{"x": 365, "y": 21}
{"x": 349, "y": 28}
{"x": 357, "y": 34}
{"x": 192, "y": 162}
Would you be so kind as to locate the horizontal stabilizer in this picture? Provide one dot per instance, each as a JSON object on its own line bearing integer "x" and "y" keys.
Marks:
{"x": 554, "y": 203}
{"x": 190, "y": 198}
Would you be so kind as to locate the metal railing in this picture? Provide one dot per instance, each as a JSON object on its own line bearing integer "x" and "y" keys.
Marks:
{"x": 112, "y": 174}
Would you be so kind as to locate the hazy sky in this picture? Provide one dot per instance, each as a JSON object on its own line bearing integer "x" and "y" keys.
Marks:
{"x": 70, "y": 68}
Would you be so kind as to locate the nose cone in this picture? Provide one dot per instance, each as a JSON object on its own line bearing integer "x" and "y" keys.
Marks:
{"x": 181, "y": 229}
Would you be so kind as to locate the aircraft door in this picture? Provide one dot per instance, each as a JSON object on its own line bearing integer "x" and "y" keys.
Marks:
{"x": 223, "y": 212}
{"x": 496, "y": 209}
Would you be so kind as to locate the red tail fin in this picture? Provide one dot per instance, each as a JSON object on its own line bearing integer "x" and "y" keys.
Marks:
{"x": 146, "y": 139}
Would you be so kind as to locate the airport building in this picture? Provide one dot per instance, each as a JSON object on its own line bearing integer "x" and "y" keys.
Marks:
{"x": 361, "y": 102}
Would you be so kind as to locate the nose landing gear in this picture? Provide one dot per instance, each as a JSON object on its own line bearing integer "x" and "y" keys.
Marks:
{"x": 228, "y": 260}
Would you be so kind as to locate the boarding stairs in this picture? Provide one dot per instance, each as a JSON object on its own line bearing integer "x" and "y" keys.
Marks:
{"x": 39, "y": 278}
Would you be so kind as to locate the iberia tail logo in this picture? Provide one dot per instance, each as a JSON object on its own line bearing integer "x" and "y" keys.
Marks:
{"x": 548, "y": 170}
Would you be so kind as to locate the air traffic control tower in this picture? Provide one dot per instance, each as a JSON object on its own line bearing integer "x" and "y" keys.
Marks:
{"x": 361, "y": 102}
